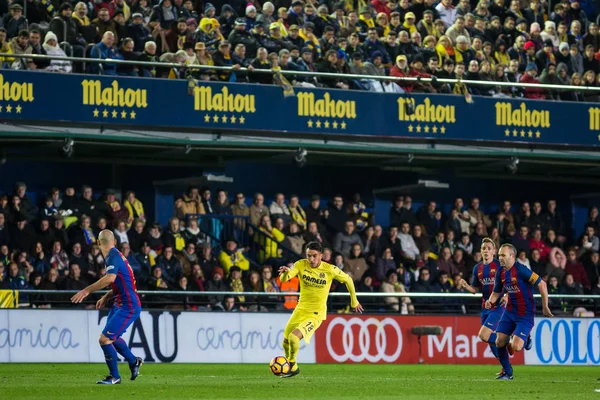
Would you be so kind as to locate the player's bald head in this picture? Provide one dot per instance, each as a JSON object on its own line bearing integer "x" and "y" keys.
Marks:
{"x": 106, "y": 238}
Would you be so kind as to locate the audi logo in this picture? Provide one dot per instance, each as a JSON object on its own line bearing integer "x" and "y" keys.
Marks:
{"x": 364, "y": 340}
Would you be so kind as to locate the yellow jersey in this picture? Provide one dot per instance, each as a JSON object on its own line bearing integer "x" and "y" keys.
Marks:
{"x": 315, "y": 284}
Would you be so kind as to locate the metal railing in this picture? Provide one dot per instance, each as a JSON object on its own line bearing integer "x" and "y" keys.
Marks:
{"x": 312, "y": 74}
{"x": 419, "y": 303}
{"x": 220, "y": 228}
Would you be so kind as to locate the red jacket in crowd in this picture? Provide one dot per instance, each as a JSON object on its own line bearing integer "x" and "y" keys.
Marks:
{"x": 532, "y": 93}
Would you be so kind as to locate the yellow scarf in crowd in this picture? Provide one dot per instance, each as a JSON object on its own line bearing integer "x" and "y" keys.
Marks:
{"x": 370, "y": 22}
{"x": 411, "y": 28}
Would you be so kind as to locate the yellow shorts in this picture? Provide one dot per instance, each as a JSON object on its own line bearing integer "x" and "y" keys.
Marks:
{"x": 307, "y": 323}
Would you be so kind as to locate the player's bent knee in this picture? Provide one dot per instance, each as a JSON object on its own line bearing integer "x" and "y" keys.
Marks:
{"x": 103, "y": 340}
{"x": 297, "y": 334}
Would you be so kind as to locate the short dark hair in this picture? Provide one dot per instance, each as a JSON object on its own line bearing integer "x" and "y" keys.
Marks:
{"x": 316, "y": 246}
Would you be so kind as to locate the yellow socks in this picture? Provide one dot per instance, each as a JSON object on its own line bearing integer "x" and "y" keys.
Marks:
{"x": 294, "y": 344}
{"x": 286, "y": 349}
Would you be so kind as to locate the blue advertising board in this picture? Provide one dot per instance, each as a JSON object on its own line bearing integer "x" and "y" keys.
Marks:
{"x": 170, "y": 104}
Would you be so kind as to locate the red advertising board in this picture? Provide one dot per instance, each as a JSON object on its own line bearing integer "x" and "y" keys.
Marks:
{"x": 388, "y": 339}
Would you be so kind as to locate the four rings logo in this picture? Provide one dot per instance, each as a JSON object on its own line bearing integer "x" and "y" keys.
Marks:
{"x": 357, "y": 336}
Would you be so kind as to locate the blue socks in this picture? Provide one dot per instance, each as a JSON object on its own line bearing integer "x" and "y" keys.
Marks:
{"x": 492, "y": 344}
{"x": 504, "y": 360}
{"x": 110, "y": 355}
{"x": 124, "y": 351}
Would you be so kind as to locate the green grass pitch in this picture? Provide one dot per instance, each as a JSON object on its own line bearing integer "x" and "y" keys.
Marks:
{"x": 252, "y": 381}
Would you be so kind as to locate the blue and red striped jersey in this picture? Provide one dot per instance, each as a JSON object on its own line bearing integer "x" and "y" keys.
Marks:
{"x": 518, "y": 282}
{"x": 123, "y": 287}
{"x": 484, "y": 277}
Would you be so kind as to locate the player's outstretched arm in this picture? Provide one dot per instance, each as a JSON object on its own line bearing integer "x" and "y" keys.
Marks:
{"x": 544, "y": 292}
{"x": 286, "y": 273}
{"x": 100, "y": 284}
{"x": 469, "y": 288}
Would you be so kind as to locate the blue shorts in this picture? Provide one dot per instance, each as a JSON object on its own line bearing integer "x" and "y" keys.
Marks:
{"x": 490, "y": 318}
{"x": 119, "y": 320}
{"x": 515, "y": 325}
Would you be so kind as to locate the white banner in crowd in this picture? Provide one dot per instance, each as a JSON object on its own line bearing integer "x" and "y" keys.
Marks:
{"x": 565, "y": 341}
{"x": 158, "y": 336}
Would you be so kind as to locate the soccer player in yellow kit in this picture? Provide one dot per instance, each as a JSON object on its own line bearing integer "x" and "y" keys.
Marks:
{"x": 315, "y": 278}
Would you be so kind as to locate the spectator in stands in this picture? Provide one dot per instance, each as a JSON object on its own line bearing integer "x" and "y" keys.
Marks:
{"x": 391, "y": 285}
{"x": 172, "y": 236}
{"x": 355, "y": 265}
{"x": 258, "y": 210}
{"x": 170, "y": 266}
{"x": 530, "y": 77}
{"x": 231, "y": 256}
{"x": 575, "y": 268}
{"x": 268, "y": 241}
{"x": 191, "y": 203}
{"x": 121, "y": 232}
{"x": 207, "y": 260}
{"x": 28, "y": 208}
{"x": 156, "y": 281}
{"x": 445, "y": 262}
{"x": 79, "y": 258}
{"x": 296, "y": 212}
{"x": 241, "y": 210}
{"x": 551, "y": 240}
{"x": 410, "y": 250}
{"x": 75, "y": 280}
{"x": 279, "y": 209}
{"x": 314, "y": 213}
{"x": 105, "y": 50}
{"x": 521, "y": 239}
{"x": 443, "y": 284}
{"x": 313, "y": 234}
{"x": 23, "y": 236}
{"x": 398, "y": 213}
{"x": 74, "y": 37}
{"x": 51, "y": 48}
{"x": 188, "y": 258}
{"x": 459, "y": 262}
{"x": 4, "y": 232}
{"x": 336, "y": 215}
{"x": 535, "y": 263}
{"x": 384, "y": 264}
{"x": 15, "y": 281}
{"x": 216, "y": 284}
{"x": 96, "y": 262}
{"x": 592, "y": 267}
{"x": 427, "y": 218}
{"x": 134, "y": 207}
{"x": 136, "y": 235}
{"x": 295, "y": 238}
{"x": 343, "y": 241}
{"x": 465, "y": 244}
{"x": 536, "y": 242}
{"x": 41, "y": 264}
{"x": 221, "y": 205}
{"x": 522, "y": 258}
{"x": 557, "y": 263}
{"x": 59, "y": 231}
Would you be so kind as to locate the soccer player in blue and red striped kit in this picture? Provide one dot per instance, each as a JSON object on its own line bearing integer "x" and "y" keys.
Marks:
{"x": 518, "y": 281}
{"x": 126, "y": 308}
{"x": 484, "y": 277}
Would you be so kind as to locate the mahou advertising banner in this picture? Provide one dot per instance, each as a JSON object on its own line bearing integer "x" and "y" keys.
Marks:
{"x": 388, "y": 339}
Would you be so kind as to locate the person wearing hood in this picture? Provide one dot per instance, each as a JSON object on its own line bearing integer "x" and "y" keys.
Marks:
{"x": 267, "y": 14}
{"x": 209, "y": 11}
{"x": 549, "y": 33}
{"x": 207, "y": 34}
{"x": 241, "y": 35}
{"x": 562, "y": 73}
{"x": 530, "y": 77}
{"x": 52, "y": 49}
{"x": 165, "y": 13}
{"x": 138, "y": 32}
{"x": 227, "y": 19}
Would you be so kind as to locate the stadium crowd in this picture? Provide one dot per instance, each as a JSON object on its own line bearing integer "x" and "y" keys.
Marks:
{"x": 488, "y": 41}
{"x": 53, "y": 246}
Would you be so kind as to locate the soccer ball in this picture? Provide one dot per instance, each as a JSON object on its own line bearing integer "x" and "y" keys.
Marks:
{"x": 279, "y": 366}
